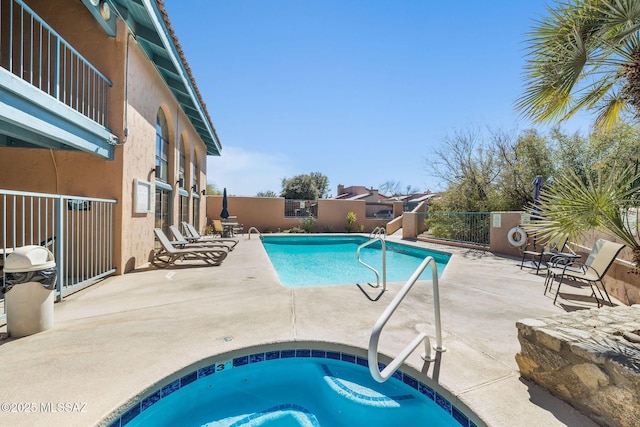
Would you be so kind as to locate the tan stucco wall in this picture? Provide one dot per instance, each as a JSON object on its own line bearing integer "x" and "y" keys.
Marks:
{"x": 147, "y": 93}
{"x": 267, "y": 213}
{"x": 622, "y": 280}
{"x": 501, "y": 223}
{"x": 83, "y": 174}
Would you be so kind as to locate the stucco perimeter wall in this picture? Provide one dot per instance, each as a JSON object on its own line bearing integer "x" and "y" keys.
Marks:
{"x": 267, "y": 214}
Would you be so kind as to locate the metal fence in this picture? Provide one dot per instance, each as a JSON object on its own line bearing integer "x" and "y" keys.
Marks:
{"x": 462, "y": 227}
{"x": 379, "y": 210}
{"x": 79, "y": 231}
{"x": 300, "y": 208}
{"x": 35, "y": 52}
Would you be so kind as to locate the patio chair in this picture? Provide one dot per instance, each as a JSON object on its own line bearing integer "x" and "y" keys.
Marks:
{"x": 554, "y": 247}
{"x": 182, "y": 242}
{"x": 592, "y": 271}
{"x": 228, "y": 227}
{"x": 192, "y": 235}
{"x": 169, "y": 254}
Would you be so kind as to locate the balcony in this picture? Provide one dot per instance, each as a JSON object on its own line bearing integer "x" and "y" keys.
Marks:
{"x": 51, "y": 95}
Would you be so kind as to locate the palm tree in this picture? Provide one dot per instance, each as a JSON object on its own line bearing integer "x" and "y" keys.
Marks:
{"x": 584, "y": 55}
{"x": 572, "y": 207}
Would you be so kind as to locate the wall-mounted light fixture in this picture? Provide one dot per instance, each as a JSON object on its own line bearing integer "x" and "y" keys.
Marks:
{"x": 204, "y": 192}
{"x": 154, "y": 170}
{"x": 180, "y": 182}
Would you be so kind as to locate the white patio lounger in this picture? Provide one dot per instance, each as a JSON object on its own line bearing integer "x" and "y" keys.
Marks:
{"x": 169, "y": 254}
{"x": 195, "y": 237}
{"x": 182, "y": 242}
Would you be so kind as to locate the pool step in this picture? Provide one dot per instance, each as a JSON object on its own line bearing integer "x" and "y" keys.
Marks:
{"x": 287, "y": 415}
{"x": 383, "y": 396}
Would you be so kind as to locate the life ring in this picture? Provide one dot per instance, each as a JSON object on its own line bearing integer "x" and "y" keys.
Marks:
{"x": 517, "y": 236}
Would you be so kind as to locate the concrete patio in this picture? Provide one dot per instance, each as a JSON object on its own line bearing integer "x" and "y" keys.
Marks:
{"x": 118, "y": 339}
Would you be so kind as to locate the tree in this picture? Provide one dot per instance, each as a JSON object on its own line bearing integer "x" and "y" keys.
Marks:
{"x": 467, "y": 165}
{"x": 603, "y": 151}
{"x": 571, "y": 208}
{"x": 321, "y": 182}
{"x": 212, "y": 190}
{"x": 267, "y": 193}
{"x": 520, "y": 162}
{"x": 584, "y": 55}
{"x": 396, "y": 188}
{"x": 305, "y": 187}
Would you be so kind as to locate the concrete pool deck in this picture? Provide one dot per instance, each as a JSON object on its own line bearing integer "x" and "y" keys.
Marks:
{"x": 118, "y": 339}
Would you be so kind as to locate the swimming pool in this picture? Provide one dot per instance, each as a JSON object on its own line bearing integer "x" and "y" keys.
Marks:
{"x": 319, "y": 260}
{"x": 293, "y": 387}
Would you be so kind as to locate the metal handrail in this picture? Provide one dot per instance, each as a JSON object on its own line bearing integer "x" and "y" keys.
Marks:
{"x": 253, "y": 229}
{"x": 384, "y": 262}
{"x": 387, "y": 372}
{"x": 378, "y": 232}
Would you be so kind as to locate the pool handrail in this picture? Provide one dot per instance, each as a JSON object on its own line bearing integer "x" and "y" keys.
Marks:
{"x": 391, "y": 368}
{"x": 378, "y": 232}
{"x": 384, "y": 262}
{"x": 253, "y": 229}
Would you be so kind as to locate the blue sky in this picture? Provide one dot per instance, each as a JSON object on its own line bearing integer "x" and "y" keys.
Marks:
{"x": 362, "y": 91}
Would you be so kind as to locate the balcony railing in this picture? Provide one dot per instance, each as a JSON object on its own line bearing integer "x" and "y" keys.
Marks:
{"x": 35, "y": 52}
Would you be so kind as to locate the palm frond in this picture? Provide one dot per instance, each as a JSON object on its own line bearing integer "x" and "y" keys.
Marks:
{"x": 575, "y": 205}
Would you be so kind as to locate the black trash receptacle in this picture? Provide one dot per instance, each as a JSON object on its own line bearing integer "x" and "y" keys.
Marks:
{"x": 30, "y": 280}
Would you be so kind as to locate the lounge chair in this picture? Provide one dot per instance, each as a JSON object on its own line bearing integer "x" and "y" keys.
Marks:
{"x": 182, "y": 242}
{"x": 169, "y": 254}
{"x": 538, "y": 254}
{"x": 192, "y": 235}
{"x": 592, "y": 271}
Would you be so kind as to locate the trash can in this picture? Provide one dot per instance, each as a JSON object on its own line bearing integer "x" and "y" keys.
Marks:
{"x": 30, "y": 281}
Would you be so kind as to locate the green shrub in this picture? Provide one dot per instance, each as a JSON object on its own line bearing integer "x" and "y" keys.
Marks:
{"x": 308, "y": 224}
{"x": 351, "y": 221}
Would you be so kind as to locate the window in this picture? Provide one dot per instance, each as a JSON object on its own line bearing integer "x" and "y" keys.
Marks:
{"x": 162, "y": 148}
{"x": 163, "y": 191}
{"x": 182, "y": 162}
{"x": 162, "y": 209}
{"x": 184, "y": 209}
{"x": 196, "y": 212}
{"x": 194, "y": 171}
{"x": 196, "y": 197}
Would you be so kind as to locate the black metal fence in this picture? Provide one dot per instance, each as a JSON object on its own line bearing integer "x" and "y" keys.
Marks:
{"x": 300, "y": 208}
{"x": 463, "y": 227}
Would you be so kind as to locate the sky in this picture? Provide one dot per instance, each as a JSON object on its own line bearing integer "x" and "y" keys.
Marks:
{"x": 362, "y": 91}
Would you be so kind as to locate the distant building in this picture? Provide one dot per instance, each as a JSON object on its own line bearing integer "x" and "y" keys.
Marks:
{"x": 358, "y": 192}
{"x": 411, "y": 201}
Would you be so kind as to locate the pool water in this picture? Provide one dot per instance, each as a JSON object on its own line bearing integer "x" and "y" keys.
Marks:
{"x": 302, "y": 261}
{"x": 307, "y": 392}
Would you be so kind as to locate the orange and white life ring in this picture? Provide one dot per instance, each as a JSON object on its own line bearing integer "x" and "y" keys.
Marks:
{"x": 517, "y": 237}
